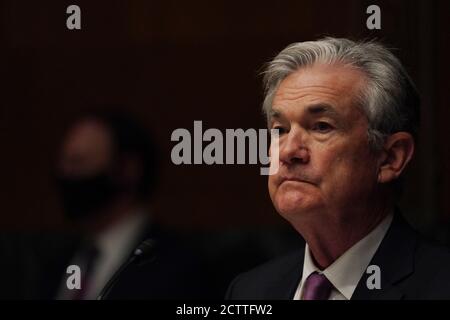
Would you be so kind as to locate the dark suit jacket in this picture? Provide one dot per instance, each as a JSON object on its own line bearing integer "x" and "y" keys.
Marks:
{"x": 34, "y": 265}
{"x": 411, "y": 268}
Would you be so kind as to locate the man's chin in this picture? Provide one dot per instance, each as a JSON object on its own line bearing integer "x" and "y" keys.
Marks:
{"x": 294, "y": 206}
{"x": 290, "y": 211}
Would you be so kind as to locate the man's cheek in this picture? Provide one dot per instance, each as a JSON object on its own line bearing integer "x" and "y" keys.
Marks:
{"x": 341, "y": 181}
{"x": 271, "y": 186}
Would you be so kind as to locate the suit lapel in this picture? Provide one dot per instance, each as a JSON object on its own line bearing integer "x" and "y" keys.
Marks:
{"x": 288, "y": 280}
{"x": 395, "y": 258}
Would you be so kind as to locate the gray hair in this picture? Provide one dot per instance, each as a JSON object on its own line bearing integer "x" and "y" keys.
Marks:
{"x": 390, "y": 100}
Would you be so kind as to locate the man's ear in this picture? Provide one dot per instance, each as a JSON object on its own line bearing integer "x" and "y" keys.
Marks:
{"x": 397, "y": 151}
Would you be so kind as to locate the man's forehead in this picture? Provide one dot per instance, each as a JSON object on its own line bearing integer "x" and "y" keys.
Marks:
{"x": 88, "y": 138}
{"x": 319, "y": 89}
{"x": 319, "y": 74}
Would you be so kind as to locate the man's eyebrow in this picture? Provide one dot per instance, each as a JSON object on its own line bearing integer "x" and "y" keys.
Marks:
{"x": 322, "y": 109}
{"x": 314, "y": 109}
{"x": 275, "y": 114}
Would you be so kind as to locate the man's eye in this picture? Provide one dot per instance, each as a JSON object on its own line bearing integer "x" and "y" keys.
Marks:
{"x": 322, "y": 127}
{"x": 280, "y": 129}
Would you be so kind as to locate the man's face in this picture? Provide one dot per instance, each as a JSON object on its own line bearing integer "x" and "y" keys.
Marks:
{"x": 85, "y": 177}
{"x": 326, "y": 165}
{"x": 87, "y": 150}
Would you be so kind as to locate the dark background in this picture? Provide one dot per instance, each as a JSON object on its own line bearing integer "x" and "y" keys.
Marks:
{"x": 173, "y": 62}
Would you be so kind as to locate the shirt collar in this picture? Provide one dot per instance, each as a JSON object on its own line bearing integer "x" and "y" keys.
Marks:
{"x": 347, "y": 270}
{"x": 120, "y": 236}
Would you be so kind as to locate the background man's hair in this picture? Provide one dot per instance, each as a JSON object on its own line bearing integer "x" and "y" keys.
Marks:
{"x": 390, "y": 100}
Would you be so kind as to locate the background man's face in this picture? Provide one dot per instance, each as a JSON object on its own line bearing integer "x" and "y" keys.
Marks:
{"x": 325, "y": 161}
{"x": 85, "y": 175}
{"x": 87, "y": 149}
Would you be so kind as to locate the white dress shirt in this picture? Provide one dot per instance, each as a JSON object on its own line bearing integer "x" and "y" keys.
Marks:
{"x": 114, "y": 246}
{"x": 347, "y": 270}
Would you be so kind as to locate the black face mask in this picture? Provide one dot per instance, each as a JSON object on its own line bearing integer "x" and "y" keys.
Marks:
{"x": 84, "y": 197}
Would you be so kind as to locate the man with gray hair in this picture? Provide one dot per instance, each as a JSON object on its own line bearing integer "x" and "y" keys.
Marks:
{"x": 347, "y": 115}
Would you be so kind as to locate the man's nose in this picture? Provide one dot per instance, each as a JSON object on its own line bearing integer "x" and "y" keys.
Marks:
{"x": 293, "y": 148}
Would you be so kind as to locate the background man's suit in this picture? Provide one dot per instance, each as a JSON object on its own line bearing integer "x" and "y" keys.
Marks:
{"x": 36, "y": 265}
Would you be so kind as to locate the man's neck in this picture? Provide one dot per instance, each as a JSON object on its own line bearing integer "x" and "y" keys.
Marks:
{"x": 328, "y": 240}
{"x": 111, "y": 215}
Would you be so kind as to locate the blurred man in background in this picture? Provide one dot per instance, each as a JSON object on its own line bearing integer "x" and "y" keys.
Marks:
{"x": 105, "y": 174}
{"x": 106, "y": 171}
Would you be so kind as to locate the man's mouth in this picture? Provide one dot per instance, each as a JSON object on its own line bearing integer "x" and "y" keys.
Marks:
{"x": 294, "y": 179}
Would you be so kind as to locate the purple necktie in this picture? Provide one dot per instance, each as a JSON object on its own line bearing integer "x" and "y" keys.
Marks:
{"x": 317, "y": 287}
